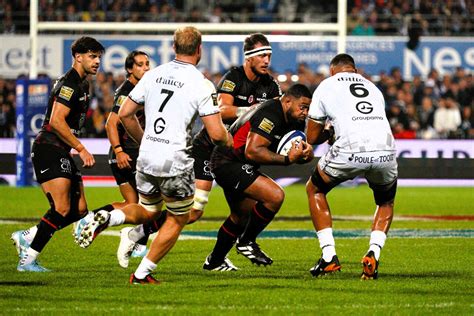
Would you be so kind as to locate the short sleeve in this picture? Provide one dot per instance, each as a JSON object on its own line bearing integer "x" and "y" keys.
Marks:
{"x": 207, "y": 99}
{"x": 67, "y": 95}
{"x": 118, "y": 101}
{"x": 266, "y": 123}
{"x": 316, "y": 109}
{"x": 138, "y": 93}
{"x": 229, "y": 83}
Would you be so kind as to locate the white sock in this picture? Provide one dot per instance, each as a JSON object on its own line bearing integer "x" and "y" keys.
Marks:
{"x": 117, "y": 217}
{"x": 377, "y": 241}
{"x": 327, "y": 243}
{"x": 30, "y": 256}
{"x": 30, "y": 234}
{"x": 145, "y": 268}
{"x": 136, "y": 233}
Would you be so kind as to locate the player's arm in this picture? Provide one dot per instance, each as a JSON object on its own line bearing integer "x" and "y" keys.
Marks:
{"x": 129, "y": 119}
{"x": 256, "y": 150}
{"x": 216, "y": 130}
{"x": 315, "y": 132}
{"x": 228, "y": 110}
{"x": 111, "y": 127}
{"x": 58, "y": 122}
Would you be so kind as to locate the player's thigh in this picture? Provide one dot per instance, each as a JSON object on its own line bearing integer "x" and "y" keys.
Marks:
{"x": 265, "y": 189}
{"x": 235, "y": 176}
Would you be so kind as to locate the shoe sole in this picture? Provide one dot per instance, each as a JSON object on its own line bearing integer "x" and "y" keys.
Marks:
{"x": 88, "y": 234}
{"x": 16, "y": 242}
{"x": 369, "y": 268}
{"x": 125, "y": 259}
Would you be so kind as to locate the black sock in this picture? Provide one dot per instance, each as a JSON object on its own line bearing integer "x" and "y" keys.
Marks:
{"x": 260, "y": 217}
{"x": 226, "y": 238}
{"x": 72, "y": 216}
{"x": 151, "y": 227}
{"x": 51, "y": 222}
{"x": 108, "y": 208}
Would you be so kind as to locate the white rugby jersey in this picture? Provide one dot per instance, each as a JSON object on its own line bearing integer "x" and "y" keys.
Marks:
{"x": 173, "y": 95}
{"x": 356, "y": 109}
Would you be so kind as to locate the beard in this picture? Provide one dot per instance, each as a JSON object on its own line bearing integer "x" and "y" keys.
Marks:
{"x": 256, "y": 72}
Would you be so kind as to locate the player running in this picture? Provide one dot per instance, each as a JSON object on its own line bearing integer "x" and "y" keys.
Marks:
{"x": 254, "y": 198}
{"x": 172, "y": 96}
{"x": 239, "y": 88}
{"x": 56, "y": 172}
{"x": 364, "y": 146}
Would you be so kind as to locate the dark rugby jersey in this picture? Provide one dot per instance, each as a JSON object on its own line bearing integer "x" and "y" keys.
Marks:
{"x": 120, "y": 95}
{"x": 266, "y": 119}
{"x": 245, "y": 93}
{"x": 73, "y": 92}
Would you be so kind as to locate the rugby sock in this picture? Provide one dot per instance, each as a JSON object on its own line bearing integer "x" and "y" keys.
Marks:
{"x": 260, "y": 217}
{"x": 226, "y": 238}
{"x": 49, "y": 224}
{"x": 108, "y": 208}
{"x": 327, "y": 243}
{"x": 145, "y": 268}
{"x": 140, "y": 233}
{"x": 30, "y": 256}
{"x": 377, "y": 241}
{"x": 30, "y": 233}
{"x": 117, "y": 217}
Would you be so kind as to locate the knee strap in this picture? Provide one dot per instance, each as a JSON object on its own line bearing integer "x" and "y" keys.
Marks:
{"x": 179, "y": 207}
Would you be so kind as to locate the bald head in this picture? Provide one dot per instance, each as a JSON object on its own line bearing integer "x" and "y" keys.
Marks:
{"x": 342, "y": 63}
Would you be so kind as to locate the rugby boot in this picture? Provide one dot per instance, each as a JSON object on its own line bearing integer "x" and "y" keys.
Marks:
{"x": 31, "y": 267}
{"x": 93, "y": 228}
{"x": 223, "y": 266}
{"x": 370, "y": 267}
{"x": 251, "y": 250}
{"x": 322, "y": 267}
{"x": 20, "y": 243}
{"x": 149, "y": 279}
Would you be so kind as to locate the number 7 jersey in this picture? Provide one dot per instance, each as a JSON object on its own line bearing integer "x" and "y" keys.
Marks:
{"x": 356, "y": 109}
{"x": 173, "y": 95}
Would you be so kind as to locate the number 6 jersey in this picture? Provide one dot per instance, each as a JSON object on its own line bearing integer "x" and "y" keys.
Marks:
{"x": 356, "y": 109}
{"x": 173, "y": 94}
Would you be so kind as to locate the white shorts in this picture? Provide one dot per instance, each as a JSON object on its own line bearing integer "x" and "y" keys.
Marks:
{"x": 378, "y": 167}
{"x": 178, "y": 187}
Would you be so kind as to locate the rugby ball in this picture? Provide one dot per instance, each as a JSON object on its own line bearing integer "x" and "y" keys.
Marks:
{"x": 287, "y": 140}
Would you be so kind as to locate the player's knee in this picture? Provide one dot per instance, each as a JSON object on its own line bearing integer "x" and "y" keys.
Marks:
{"x": 278, "y": 198}
{"x": 151, "y": 203}
{"x": 179, "y": 207}
{"x": 201, "y": 197}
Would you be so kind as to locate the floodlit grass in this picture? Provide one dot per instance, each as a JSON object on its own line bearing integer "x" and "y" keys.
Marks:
{"x": 417, "y": 275}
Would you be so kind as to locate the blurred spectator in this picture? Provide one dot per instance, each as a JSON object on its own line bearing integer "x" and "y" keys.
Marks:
{"x": 398, "y": 120}
{"x": 363, "y": 28}
{"x": 426, "y": 118}
{"x": 7, "y": 119}
{"x": 467, "y": 124}
{"x": 447, "y": 118}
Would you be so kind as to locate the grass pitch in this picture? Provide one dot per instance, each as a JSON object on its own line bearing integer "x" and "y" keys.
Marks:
{"x": 417, "y": 275}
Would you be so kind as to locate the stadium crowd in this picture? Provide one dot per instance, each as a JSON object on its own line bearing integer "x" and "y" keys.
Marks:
{"x": 365, "y": 17}
{"x": 438, "y": 107}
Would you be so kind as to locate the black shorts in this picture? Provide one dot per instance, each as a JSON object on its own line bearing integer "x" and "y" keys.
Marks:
{"x": 235, "y": 176}
{"x": 202, "y": 169}
{"x": 51, "y": 162}
{"x": 126, "y": 175}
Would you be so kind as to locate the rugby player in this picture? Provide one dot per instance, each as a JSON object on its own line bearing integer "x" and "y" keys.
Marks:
{"x": 55, "y": 170}
{"x": 364, "y": 146}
